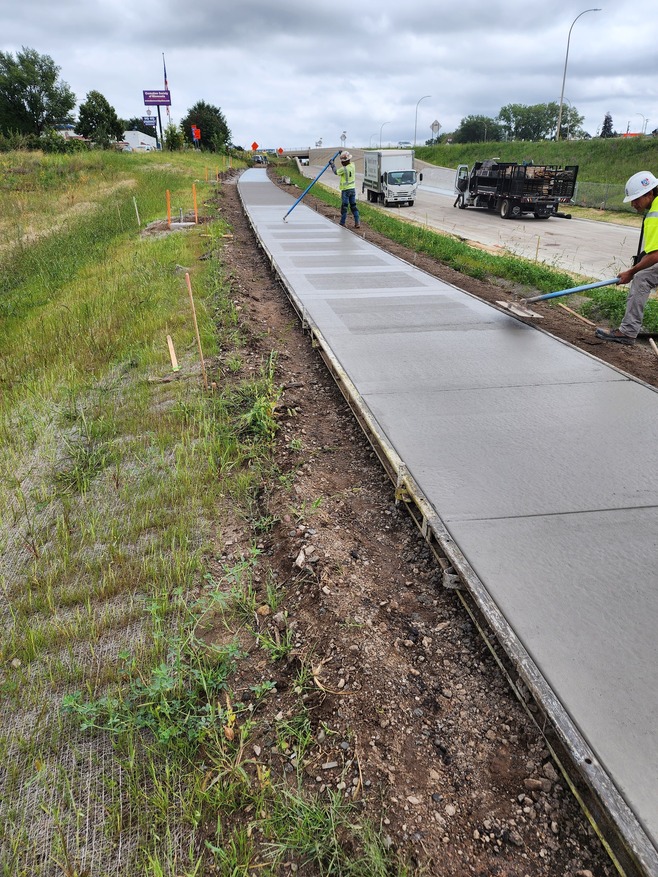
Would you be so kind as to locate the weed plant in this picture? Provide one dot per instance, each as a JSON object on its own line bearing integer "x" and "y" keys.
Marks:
{"x": 609, "y": 304}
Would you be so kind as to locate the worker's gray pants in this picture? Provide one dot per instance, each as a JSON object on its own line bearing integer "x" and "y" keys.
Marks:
{"x": 641, "y": 285}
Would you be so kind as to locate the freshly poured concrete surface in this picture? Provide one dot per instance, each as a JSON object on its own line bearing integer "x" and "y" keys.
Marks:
{"x": 539, "y": 460}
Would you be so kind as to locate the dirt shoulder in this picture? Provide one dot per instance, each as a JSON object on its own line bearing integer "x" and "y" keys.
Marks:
{"x": 410, "y": 717}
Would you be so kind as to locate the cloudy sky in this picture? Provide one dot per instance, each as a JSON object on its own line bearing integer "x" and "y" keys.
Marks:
{"x": 287, "y": 73}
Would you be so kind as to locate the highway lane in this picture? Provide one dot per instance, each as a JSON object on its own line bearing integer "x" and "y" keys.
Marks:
{"x": 596, "y": 250}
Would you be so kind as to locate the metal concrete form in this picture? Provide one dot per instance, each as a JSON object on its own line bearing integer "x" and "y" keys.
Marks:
{"x": 531, "y": 467}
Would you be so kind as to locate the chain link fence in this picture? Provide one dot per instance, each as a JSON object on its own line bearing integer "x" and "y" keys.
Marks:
{"x": 601, "y": 196}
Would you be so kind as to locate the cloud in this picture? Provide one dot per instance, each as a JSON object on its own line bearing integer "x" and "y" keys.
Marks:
{"x": 289, "y": 74}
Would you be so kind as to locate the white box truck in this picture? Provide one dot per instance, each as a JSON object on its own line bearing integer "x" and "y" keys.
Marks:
{"x": 389, "y": 176}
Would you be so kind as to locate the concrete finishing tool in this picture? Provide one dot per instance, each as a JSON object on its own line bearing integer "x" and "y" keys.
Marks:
{"x": 520, "y": 309}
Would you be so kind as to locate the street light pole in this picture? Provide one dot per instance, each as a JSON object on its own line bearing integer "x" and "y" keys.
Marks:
{"x": 568, "y": 115}
{"x": 416, "y": 119}
{"x": 644, "y": 121}
{"x": 380, "y": 131}
{"x": 564, "y": 75}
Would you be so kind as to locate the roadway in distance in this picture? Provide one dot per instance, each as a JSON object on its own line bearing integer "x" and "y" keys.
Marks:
{"x": 597, "y": 250}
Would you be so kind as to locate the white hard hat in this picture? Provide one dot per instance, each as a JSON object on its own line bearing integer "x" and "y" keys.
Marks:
{"x": 639, "y": 184}
{"x": 345, "y": 156}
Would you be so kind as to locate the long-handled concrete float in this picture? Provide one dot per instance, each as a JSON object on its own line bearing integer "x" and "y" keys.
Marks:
{"x": 519, "y": 307}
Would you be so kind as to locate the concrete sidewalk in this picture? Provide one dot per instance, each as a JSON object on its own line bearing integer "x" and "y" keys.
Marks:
{"x": 539, "y": 461}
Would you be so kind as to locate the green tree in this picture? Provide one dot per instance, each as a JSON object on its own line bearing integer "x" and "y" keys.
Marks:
{"x": 173, "y": 137}
{"x": 215, "y": 133}
{"x": 477, "y": 129}
{"x": 607, "y": 129}
{"x": 572, "y": 121}
{"x": 32, "y": 99}
{"x": 539, "y": 121}
{"x": 98, "y": 120}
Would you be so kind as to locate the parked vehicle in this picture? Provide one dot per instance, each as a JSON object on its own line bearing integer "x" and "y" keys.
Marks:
{"x": 389, "y": 176}
{"x": 514, "y": 189}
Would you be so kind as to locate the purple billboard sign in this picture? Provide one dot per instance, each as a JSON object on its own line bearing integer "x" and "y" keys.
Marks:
{"x": 149, "y": 120}
{"x": 157, "y": 98}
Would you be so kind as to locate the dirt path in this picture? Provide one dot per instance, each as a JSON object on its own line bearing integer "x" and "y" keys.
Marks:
{"x": 410, "y": 717}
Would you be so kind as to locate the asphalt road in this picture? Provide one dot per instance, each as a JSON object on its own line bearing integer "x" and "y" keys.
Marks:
{"x": 596, "y": 250}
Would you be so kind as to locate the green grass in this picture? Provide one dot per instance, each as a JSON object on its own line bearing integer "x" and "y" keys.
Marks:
{"x": 124, "y": 741}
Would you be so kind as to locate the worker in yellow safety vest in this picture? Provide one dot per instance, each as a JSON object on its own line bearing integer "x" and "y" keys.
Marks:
{"x": 346, "y": 174}
{"x": 642, "y": 193}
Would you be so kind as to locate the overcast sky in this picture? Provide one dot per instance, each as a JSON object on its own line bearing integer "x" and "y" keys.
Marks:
{"x": 287, "y": 73}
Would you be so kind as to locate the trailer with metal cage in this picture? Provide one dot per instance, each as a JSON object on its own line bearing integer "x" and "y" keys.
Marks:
{"x": 513, "y": 189}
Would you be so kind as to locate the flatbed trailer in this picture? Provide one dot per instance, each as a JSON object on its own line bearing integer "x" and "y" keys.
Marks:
{"x": 513, "y": 189}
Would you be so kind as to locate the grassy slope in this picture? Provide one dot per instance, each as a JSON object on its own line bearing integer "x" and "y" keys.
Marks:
{"x": 115, "y": 485}
{"x": 599, "y": 161}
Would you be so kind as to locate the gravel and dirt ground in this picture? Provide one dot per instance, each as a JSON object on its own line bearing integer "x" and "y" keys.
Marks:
{"x": 411, "y": 718}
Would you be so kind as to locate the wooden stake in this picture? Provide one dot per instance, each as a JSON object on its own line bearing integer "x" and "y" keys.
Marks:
{"x": 168, "y": 208}
{"x": 172, "y": 353}
{"x": 653, "y": 346}
{"x": 576, "y": 314}
{"x": 196, "y": 329}
{"x": 196, "y": 214}
{"x": 139, "y": 224}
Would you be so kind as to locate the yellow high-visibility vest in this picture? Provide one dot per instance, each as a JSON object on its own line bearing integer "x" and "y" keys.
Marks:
{"x": 347, "y": 176}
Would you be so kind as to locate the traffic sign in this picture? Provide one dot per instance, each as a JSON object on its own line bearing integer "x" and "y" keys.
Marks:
{"x": 254, "y": 146}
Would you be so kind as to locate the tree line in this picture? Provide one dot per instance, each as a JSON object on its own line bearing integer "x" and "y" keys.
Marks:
{"x": 35, "y": 104}
{"x": 522, "y": 122}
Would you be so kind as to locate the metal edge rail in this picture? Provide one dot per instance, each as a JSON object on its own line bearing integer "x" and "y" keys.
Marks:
{"x": 617, "y": 827}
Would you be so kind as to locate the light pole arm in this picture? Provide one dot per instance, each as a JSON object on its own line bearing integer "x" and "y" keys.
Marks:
{"x": 564, "y": 74}
{"x": 416, "y": 118}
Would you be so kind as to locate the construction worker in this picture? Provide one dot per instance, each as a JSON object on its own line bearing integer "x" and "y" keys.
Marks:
{"x": 642, "y": 192}
{"x": 346, "y": 174}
